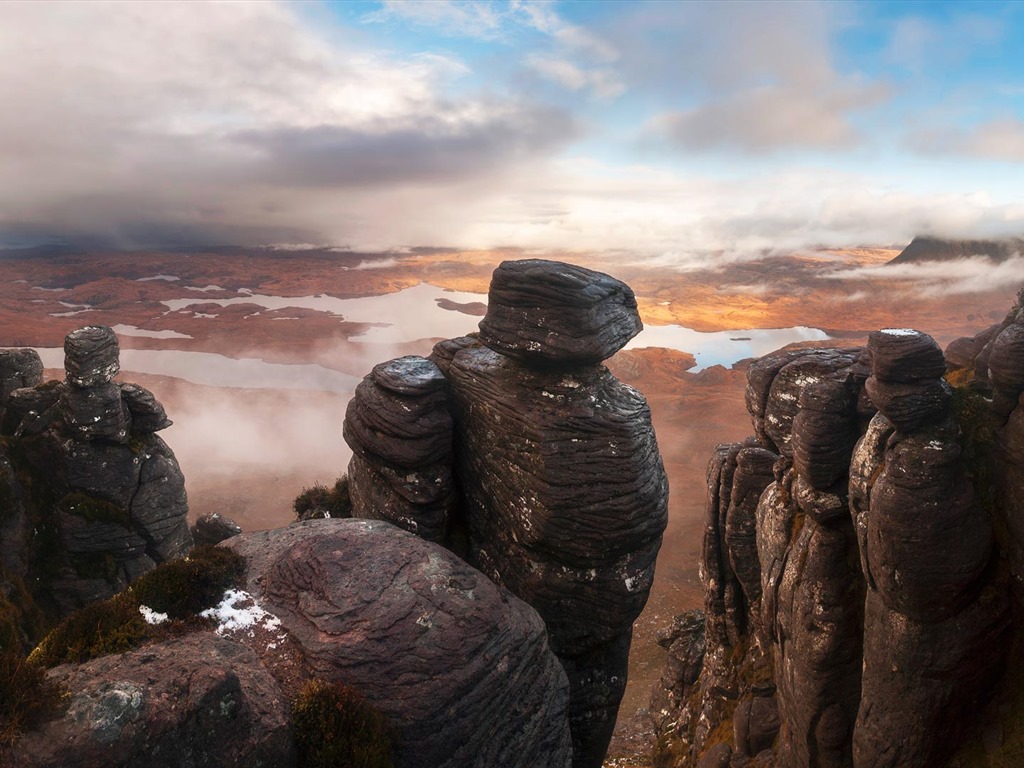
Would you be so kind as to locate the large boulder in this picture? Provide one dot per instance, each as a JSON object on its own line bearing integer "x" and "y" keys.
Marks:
{"x": 460, "y": 666}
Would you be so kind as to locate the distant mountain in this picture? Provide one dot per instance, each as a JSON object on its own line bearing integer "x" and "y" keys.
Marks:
{"x": 924, "y": 248}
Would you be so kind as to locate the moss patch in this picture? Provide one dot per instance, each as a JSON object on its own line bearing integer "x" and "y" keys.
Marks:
{"x": 94, "y": 509}
{"x": 180, "y": 588}
{"x": 335, "y": 726}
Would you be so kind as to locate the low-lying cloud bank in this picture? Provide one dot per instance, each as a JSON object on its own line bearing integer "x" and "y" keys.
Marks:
{"x": 977, "y": 274}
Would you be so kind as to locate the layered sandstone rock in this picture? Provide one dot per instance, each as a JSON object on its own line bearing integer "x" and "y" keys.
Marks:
{"x": 101, "y": 498}
{"x": 400, "y": 432}
{"x": 461, "y": 667}
{"x": 882, "y": 615}
{"x": 562, "y": 494}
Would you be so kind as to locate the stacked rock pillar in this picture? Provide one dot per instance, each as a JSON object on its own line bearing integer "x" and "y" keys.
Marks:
{"x": 564, "y": 492}
{"x": 935, "y": 617}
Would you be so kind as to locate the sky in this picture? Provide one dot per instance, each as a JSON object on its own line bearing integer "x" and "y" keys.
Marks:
{"x": 673, "y": 130}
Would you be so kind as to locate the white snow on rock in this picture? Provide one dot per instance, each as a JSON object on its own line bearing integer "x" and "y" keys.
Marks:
{"x": 152, "y": 617}
{"x": 238, "y": 612}
{"x": 900, "y": 332}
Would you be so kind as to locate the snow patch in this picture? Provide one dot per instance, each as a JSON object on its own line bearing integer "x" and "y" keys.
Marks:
{"x": 152, "y": 617}
{"x": 900, "y": 332}
{"x": 238, "y": 611}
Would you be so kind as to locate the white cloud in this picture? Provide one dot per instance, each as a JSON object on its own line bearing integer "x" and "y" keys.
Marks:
{"x": 603, "y": 83}
{"x": 997, "y": 139}
{"x": 944, "y": 278}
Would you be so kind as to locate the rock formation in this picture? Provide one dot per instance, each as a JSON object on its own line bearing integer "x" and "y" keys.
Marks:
{"x": 92, "y": 496}
{"x": 881, "y": 617}
{"x": 562, "y": 494}
{"x": 400, "y": 432}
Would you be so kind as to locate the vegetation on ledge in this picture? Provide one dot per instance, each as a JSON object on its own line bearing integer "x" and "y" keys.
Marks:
{"x": 334, "y": 725}
{"x": 182, "y": 589}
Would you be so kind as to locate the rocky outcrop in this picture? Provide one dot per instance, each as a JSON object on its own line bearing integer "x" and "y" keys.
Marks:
{"x": 19, "y": 368}
{"x": 562, "y": 497}
{"x": 97, "y": 497}
{"x": 400, "y": 432}
{"x": 201, "y": 700}
{"x": 457, "y": 663}
{"x": 882, "y": 617}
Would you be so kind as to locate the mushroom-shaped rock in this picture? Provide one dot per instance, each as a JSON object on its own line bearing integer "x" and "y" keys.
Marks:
{"x": 546, "y": 313}
{"x": 199, "y": 700}
{"x": 458, "y": 664}
{"x": 400, "y": 432}
{"x": 91, "y": 356}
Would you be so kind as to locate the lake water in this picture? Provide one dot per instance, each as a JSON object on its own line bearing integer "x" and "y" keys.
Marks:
{"x": 723, "y": 347}
{"x": 406, "y": 315}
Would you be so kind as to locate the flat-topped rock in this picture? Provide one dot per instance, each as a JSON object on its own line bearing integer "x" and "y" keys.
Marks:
{"x": 91, "y": 356}
{"x": 904, "y": 355}
{"x": 546, "y": 313}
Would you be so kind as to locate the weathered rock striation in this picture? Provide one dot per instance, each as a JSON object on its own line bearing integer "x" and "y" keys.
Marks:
{"x": 881, "y": 617}
{"x": 400, "y": 432}
{"x": 562, "y": 497}
{"x": 92, "y": 496}
{"x": 457, "y": 663}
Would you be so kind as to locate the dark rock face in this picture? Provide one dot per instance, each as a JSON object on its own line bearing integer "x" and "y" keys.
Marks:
{"x": 102, "y": 496}
{"x": 213, "y": 529}
{"x": 200, "y": 701}
{"x": 545, "y": 313}
{"x": 400, "y": 432}
{"x": 883, "y": 615}
{"x": 562, "y": 496}
{"x": 458, "y": 663}
{"x": 1006, "y": 368}
{"x": 565, "y": 501}
{"x": 19, "y": 368}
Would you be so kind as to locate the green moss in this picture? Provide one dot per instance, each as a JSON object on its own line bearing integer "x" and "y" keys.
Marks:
{"x": 319, "y": 501}
{"x": 335, "y": 726}
{"x": 180, "y": 588}
{"x": 94, "y": 509}
{"x": 26, "y": 696}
